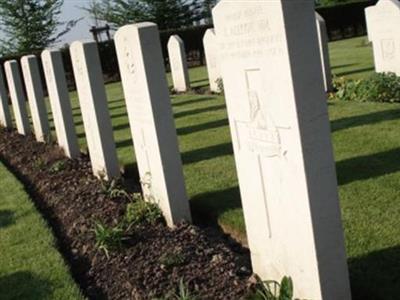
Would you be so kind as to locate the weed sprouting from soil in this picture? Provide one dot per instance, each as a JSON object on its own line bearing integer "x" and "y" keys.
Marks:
{"x": 108, "y": 238}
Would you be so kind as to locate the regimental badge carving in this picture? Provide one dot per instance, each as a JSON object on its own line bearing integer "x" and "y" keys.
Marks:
{"x": 175, "y": 64}
{"x": 79, "y": 67}
{"x": 47, "y": 70}
{"x": 26, "y": 71}
{"x": 388, "y": 49}
{"x": 262, "y": 133}
{"x": 129, "y": 59}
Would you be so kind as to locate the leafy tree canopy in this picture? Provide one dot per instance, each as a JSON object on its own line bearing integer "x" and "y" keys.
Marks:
{"x": 31, "y": 25}
{"x": 167, "y": 14}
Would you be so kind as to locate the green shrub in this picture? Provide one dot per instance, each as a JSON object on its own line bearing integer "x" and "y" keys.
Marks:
{"x": 39, "y": 164}
{"x": 379, "y": 87}
{"x": 183, "y": 293}
{"x": 108, "y": 238}
{"x": 170, "y": 259}
{"x": 142, "y": 212}
{"x": 113, "y": 189}
{"x": 272, "y": 290}
{"x": 57, "y": 166}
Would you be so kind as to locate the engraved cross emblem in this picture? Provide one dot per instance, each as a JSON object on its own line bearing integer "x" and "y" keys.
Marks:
{"x": 260, "y": 135}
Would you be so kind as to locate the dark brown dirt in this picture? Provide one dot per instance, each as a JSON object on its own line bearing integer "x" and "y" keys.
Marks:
{"x": 72, "y": 200}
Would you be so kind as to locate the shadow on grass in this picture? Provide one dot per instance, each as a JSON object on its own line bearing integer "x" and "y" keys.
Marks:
{"x": 122, "y": 126}
{"x": 199, "y": 80}
{"x": 376, "y": 117}
{"x": 355, "y": 71}
{"x": 207, "y": 153}
{"x": 208, "y": 207}
{"x": 111, "y": 109}
{"x": 24, "y": 285}
{"x": 375, "y": 276}
{"x": 7, "y": 218}
{"x": 193, "y": 101}
{"x": 368, "y": 166}
{"x": 198, "y": 111}
{"x": 77, "y": 108}
{"x": 342, "y": 66}
{"x": 200, "y": 127}
{"x": 124, "y": 143}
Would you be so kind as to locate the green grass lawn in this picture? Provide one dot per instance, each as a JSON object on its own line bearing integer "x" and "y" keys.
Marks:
{"x": 366, "y": 139}
{"x": 30, "y": 265}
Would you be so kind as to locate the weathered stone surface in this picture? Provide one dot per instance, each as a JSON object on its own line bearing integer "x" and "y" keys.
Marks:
{"x": 5, "y": 115}
{"x": 324, "y": 52}
{"x": 178, "y": 63}
{"x": 93, "y": 101}
{"x": 270, "y": 64}
{"x": 383, "y": 23}
{"x": 151, "y": 119}
{"x": 211, "y": 53}
{"x": 60, "y": 102}
{"x": 34, "y": 90}
{"x": 17, "y": 95}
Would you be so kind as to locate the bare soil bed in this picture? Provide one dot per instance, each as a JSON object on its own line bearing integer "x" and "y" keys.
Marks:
{"x": 71, "y": 199}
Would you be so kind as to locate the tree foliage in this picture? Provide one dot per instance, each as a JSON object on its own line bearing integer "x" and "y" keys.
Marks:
{"x": 167, "y": 14}
{"x": 28, "y": 25}
{"x": 334, "y": 2}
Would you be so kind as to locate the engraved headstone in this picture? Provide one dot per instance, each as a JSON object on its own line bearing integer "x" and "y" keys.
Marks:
{"x": 93, "y": 101}
{"x": 178, "y": 64}
{"x": 34, "y": 90}
{"x": 60, "y": 102}
{"x": 383, "y": 23}
{"x": 17, "y": 96}
{"x": 324, "y": 52}
{"x": 151, "y": 119}
{"x": 270, "y": 64}
{"x": 5, "y": 115}
{"x": 210, "y": 49}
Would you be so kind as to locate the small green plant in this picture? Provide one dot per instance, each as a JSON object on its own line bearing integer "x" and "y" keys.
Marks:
{"x": 39, "y": 164}
{"x": 170, "y": 259}
{"x": 140, "y": 211}
{"x": 108, "y": 238}
{"x": 112, "y": 188}
{"x": 379, "y": 87}
{"x": 272, "y": 290}
{"x": 57, "y": 166}
{"x": 183, "y": 293}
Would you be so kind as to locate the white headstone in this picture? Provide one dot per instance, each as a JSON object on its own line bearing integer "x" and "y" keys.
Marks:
{"x": 60, "y": 102}
{"x": 210, "y": 49}
{"x": 383, "y": 23}
{"x": 270, "y": 64}
{"x": 178, "y": 63}
{"x": 93, "y": 101}
{"x": 5, "y": 115}
{"x": 34, "y": 90}
{"x": 324, "y": 52}
{"x": 151, "y": 119}
{"x": 17, "y": 96}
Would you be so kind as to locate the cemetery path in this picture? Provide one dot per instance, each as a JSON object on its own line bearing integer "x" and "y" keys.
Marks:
{"x": 72, "y": 200}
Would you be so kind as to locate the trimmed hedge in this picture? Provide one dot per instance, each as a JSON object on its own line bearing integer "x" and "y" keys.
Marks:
{"x": 345, "y": 20}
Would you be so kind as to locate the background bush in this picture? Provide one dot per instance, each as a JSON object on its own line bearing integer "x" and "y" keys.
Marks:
{"x": 379, "y": 87}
